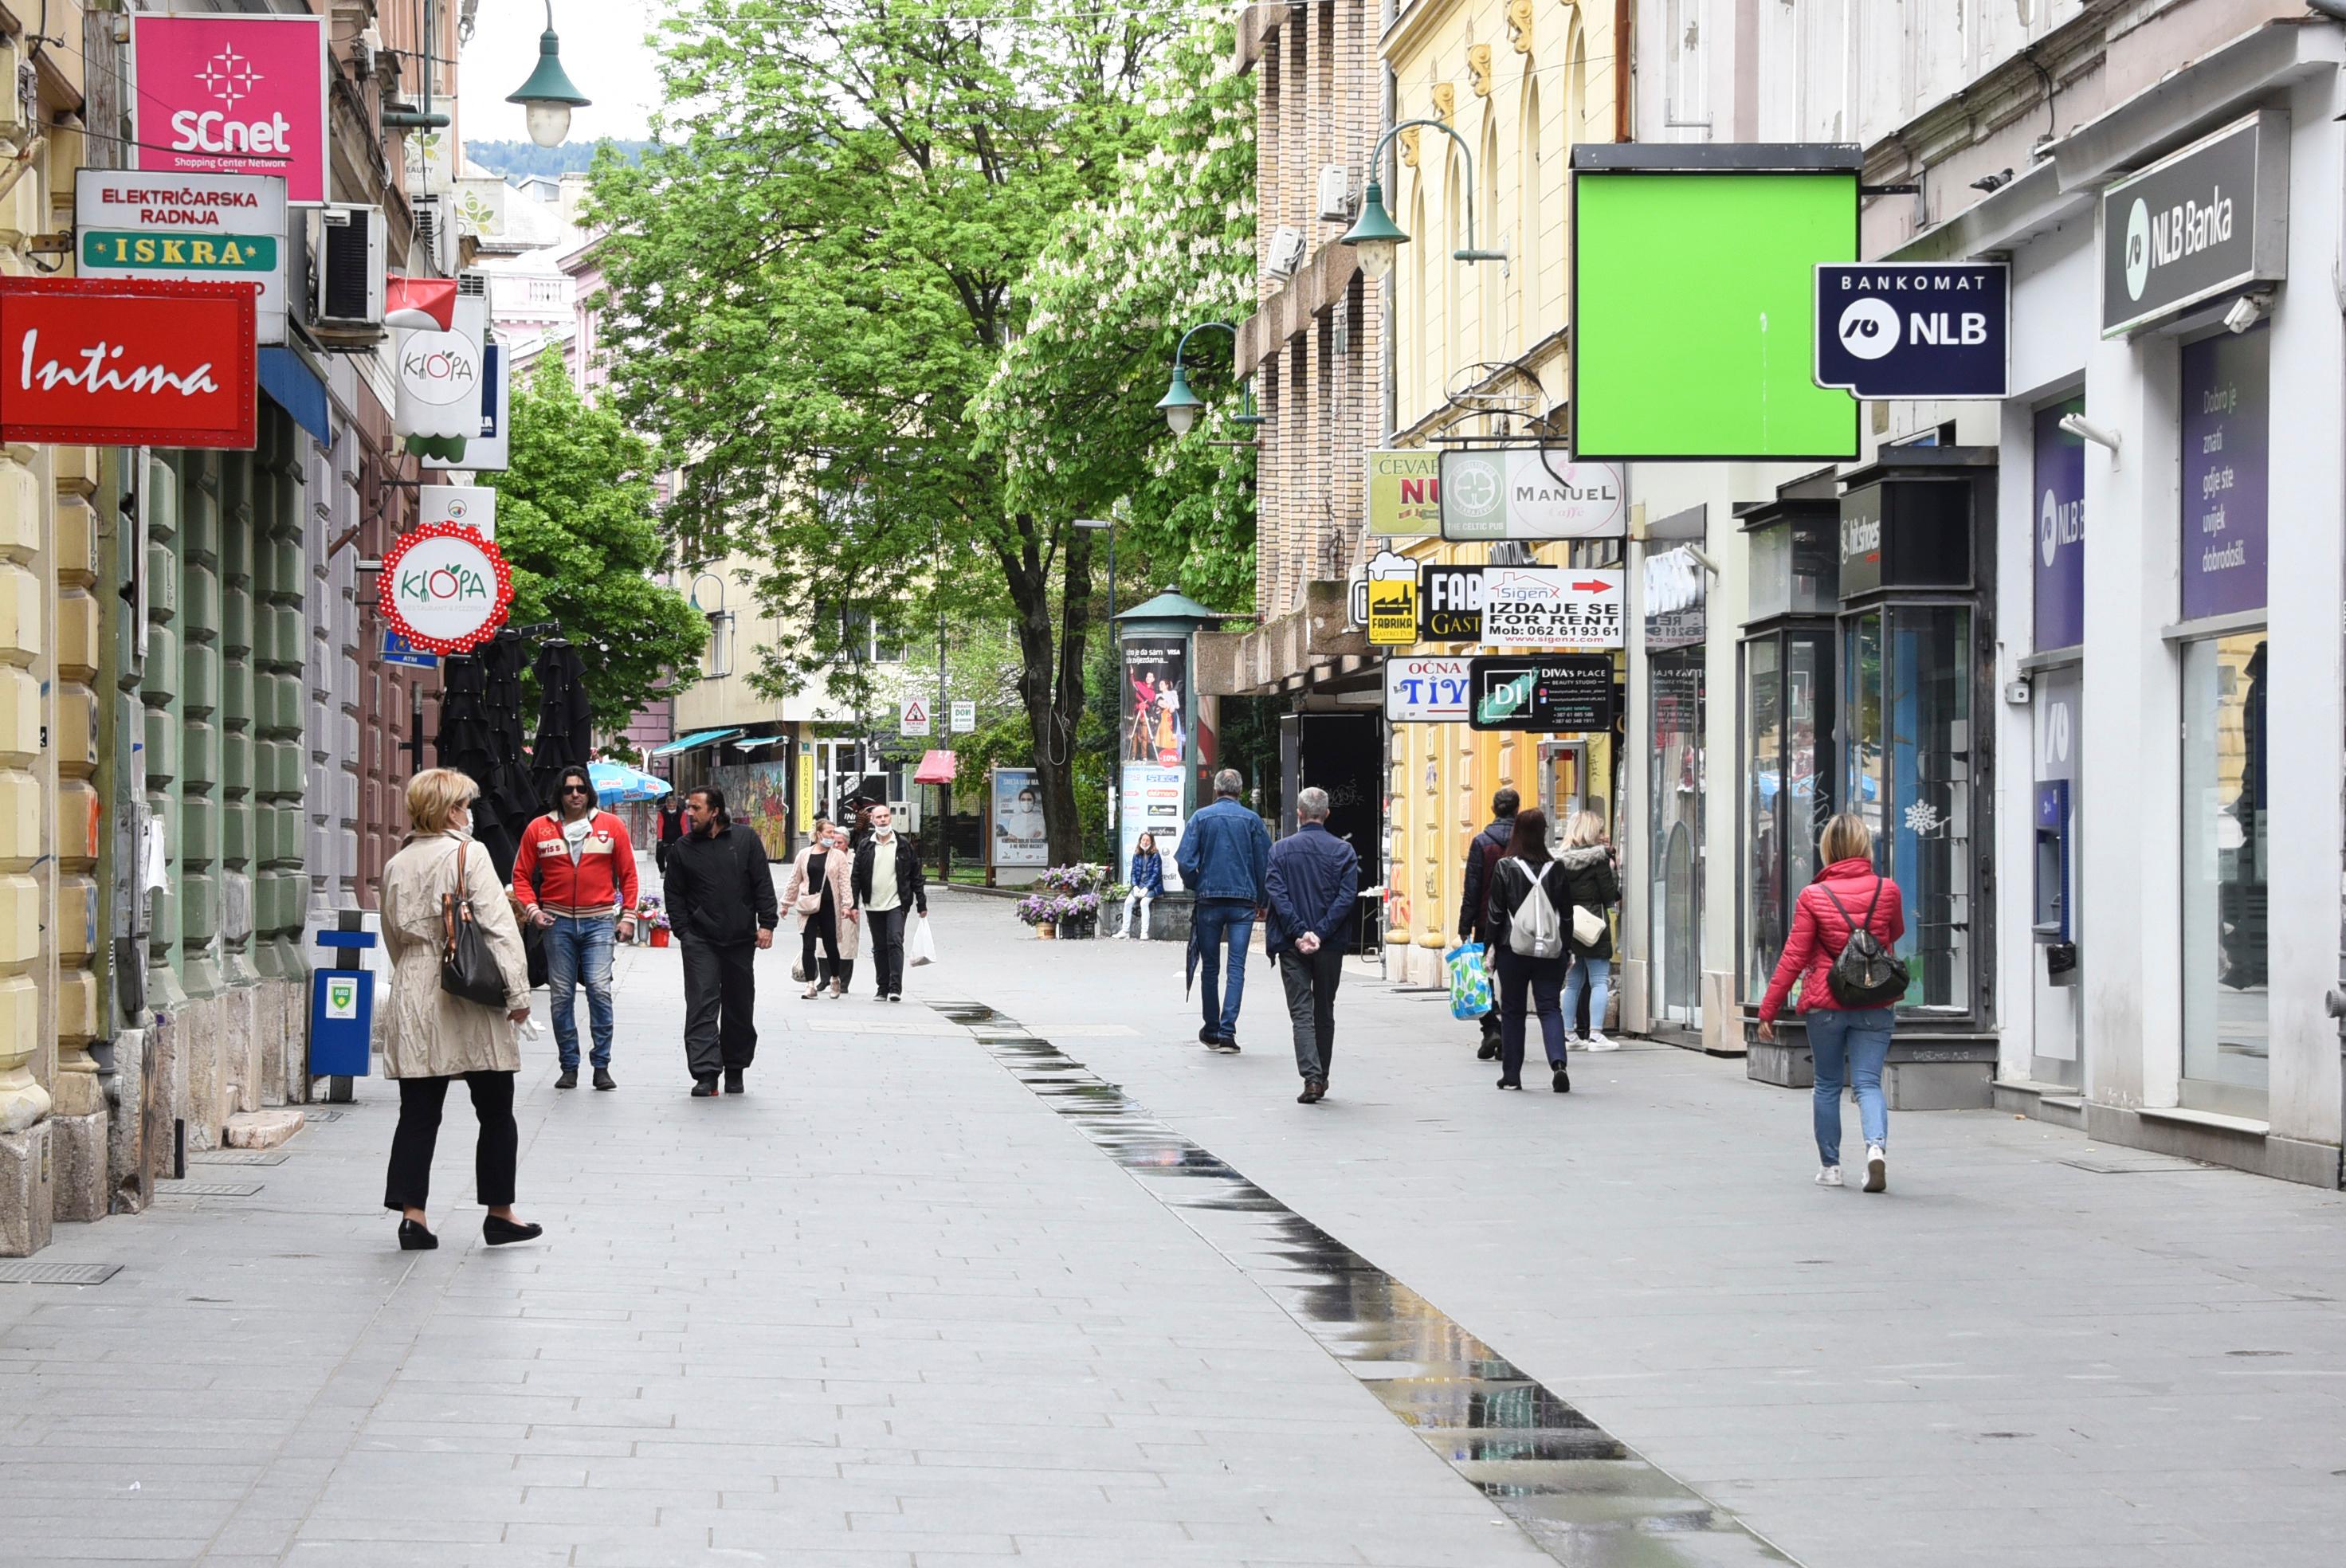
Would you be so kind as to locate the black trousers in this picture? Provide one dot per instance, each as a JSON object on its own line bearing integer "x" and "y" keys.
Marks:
{"x": 824, "y": 924}
{"x": 1544, "y": 978}
{"x": 1310, "y": 981}
{"x": 886, "y": 931}
{"x": 720, "y": 1006}
{"x": 409, "y": 1183}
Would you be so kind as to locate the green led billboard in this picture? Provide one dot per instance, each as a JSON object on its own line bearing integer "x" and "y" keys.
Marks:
{"x": 1693, "y": 300}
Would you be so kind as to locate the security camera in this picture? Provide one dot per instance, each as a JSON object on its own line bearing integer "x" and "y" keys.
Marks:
{"x": 2247, "y": 312}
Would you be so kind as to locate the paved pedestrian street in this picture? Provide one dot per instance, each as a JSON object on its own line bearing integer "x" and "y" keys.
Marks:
{"x": 1014, "y": 1270}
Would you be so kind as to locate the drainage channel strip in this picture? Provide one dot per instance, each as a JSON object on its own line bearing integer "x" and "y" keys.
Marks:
{"x": 1584, "y": 1496}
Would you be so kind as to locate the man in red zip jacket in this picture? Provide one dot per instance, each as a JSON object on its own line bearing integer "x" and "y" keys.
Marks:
{"x": 576, "y": 878}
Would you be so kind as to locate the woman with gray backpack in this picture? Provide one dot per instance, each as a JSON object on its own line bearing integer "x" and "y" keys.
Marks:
{"x": 1845, "y": 926}
{"x": 1530, "y": 929}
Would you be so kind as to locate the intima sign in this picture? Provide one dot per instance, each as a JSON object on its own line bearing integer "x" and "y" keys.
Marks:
{"x": 123, "y": 363}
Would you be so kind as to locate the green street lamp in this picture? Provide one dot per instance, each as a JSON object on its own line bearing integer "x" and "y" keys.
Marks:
{"x": 1378, "y": 238}
{"x": 549, "y": 95}
{"x": 1180, "y": 405}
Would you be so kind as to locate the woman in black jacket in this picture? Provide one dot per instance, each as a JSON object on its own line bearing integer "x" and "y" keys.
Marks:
{"x": 1524, "y": 871}
{"x": 1593, "y": 882}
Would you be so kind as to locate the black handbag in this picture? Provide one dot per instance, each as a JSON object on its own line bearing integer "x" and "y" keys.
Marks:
{"x": 468, "y": 967}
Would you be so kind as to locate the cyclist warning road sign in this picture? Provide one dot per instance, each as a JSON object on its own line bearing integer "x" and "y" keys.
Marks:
{"x": 913, "y": 718}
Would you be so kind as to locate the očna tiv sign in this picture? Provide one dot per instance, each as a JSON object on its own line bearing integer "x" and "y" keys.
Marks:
{"x": 119, "y": 363}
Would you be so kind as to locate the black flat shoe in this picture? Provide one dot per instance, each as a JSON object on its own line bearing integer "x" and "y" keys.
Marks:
{"x": 569, "y": 1079}
{"x": 1517, "y": 1084}
{"x": 603, "y": 1079}
{"x": 504, "y": 1232}
{"x": 413, "y": 1237}
{"x": 1563, "y": 1085}
{"x": 733, "y": 1081}
{"x": 704, "y": 1089}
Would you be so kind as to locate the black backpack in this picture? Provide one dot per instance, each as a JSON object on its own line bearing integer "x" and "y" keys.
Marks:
{"x": 1866, "y": 973}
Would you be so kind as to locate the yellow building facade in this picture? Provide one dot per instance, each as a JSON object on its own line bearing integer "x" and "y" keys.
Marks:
{"x": 1479, "y": 349}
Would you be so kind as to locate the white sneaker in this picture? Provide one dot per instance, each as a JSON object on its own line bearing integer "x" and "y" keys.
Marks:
{"x": 1829, "y": 1176}
{"x": 1877, "y": 1173}
{"x": 1598, "y": 1041}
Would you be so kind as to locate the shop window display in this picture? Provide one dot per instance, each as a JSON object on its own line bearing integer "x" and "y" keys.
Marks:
{"x": 2226, "y": 862}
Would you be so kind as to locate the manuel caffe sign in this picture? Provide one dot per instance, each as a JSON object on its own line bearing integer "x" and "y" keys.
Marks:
{"x": 2210, "y": 221}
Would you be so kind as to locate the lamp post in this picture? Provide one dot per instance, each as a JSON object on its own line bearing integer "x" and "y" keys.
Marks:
{"x": 1181, "y": 406}
{"x": 1377, "y": 237}
{"x": 1115, "y": 650}
{"x": 549, "y": 95}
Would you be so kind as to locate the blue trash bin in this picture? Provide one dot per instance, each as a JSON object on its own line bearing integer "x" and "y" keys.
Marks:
{"x": 342, "y": 1008}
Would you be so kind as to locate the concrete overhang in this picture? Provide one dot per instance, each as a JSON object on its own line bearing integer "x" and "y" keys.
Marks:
{"x": 1318, "y": 284}
{"x": 1310, "y": 642}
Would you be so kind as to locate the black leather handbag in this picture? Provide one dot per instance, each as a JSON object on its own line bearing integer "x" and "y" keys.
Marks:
{"x": 468, "y": 967}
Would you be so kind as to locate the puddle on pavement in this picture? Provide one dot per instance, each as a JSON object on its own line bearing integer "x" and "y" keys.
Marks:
{"x": 1580, "y": 1494}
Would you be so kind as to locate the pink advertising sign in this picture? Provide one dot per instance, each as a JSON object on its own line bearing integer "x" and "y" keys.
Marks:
{"x": 233, "y": 95}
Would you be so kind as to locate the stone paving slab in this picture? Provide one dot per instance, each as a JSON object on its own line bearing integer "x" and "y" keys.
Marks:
{"x": 886, "y": 1309}
{"x": 2005, "y": 1357}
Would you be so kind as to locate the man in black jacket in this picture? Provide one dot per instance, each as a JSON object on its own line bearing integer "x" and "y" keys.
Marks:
{"x": 1313, "y": 881}
{"x": 887, "y": 885}
{"x": 1474, "y": 903}
{"x": 721, "y": 900}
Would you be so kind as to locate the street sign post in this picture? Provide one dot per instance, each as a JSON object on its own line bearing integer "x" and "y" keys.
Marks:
{"x": 1914, "y": 328}
{"x": 1554, "y": 694}
{"x": 912, "y": 717}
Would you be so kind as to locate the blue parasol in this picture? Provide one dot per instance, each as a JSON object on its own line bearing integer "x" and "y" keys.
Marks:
{"x": 616, "y": 782}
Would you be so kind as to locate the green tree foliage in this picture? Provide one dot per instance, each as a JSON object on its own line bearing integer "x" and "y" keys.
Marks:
{"x": 817, "y": 271}
{"x": 577, "y": 521}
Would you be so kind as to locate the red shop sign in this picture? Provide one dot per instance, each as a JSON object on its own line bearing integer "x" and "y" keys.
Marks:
{"x": 128, "y": 362}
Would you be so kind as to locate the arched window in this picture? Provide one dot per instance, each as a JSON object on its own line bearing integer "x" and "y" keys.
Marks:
{"x": 1410, "y": 370}
{"x": 1575, "y": 87}
{"x": 1490, "y": 296}
{"x": 1530, "y": 285}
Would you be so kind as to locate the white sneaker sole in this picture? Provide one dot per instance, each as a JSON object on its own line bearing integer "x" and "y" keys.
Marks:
{"x": 1877, "y": 1175}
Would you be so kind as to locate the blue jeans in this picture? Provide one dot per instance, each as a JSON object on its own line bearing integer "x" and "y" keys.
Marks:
{"x": 578, "y": 949}
{"x": 1218, "y": 919}
{"x": 1849, "y": 1044}
{"x": 1597, "y": 975}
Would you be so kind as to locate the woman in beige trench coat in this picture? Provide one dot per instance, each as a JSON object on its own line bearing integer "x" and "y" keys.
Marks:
{"x": 834, "y": 920}
{"x": 431, "y": 1036}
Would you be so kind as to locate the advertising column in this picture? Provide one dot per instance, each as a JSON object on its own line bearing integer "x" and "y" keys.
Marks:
{"x": 1155, "y": 740}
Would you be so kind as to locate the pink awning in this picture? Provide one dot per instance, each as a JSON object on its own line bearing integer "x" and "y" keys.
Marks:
{"x": 936, "y": 768}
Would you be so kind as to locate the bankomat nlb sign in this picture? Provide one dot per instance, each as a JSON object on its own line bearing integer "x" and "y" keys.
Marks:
{"x": 1915, "y": 330}
{"x": 2208, "y": 221}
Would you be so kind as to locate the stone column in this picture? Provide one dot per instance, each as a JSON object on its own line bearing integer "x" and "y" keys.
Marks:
{"x": 199, "y": 867}
{"x": 158, "y": 695}
{"x": 281, "y": 779}
{"x": 78, "y": 1133}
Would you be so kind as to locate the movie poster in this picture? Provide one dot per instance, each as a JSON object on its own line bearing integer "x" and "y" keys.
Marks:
{"x": 1018, "y": 836}
{"x": 1155, "y": 701}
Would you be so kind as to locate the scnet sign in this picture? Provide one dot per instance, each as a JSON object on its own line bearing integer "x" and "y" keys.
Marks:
{"x": 1915, "y": 330}
{"x": 444, "y": 588}
{"x": 1553, "y": 606}
{"x": 233, "y": 95}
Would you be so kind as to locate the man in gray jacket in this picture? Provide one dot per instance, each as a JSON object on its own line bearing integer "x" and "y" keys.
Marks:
{"x": 1224, "y": 858}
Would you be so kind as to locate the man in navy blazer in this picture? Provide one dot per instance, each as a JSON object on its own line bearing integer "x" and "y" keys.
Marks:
{"x": 1315, "y": 878}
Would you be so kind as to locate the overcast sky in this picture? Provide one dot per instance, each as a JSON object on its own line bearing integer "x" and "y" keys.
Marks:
{"x": 602, "y": 48}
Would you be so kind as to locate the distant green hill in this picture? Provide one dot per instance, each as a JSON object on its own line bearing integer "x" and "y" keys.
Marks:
{"x": 518, "y": 160}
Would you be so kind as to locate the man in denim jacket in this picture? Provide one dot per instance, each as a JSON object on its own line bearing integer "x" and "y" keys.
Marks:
{"x": 1224, "y": 858}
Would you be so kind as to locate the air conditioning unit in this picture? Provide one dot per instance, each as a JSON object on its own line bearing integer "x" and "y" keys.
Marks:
{"x": 1335, "y": 194}
{"x": 1286, "y": 253}
{"x": 349, "y": 262}
{"x": 435, "y": 236}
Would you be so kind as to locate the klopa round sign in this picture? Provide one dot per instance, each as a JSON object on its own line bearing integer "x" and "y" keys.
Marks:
{"x": 444, "y": 588}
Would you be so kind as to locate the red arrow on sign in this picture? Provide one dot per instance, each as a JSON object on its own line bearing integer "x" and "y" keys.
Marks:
{"x": 1592, "y": 588}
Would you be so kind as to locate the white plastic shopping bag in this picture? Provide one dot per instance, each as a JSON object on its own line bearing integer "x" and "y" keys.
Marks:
{"x": 920, "y": 947}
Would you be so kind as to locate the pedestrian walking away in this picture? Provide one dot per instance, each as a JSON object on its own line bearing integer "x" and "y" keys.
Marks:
{"x": 431, "y": 1036}
{"x": 1482, "y": 854}
{"x": 1848, "y": 919}
{"x": 888, "y": 885}
{"x": 576, "y": 878}
{"x": 1147, "y": 879}
{"x": 1531, "y": 926}
{"x": 720, "y": 902}
{"x": 1592, "y": 885}
{"x": 818, "y": 894}
{"x": 1224, "y": 857}
{"x": 1311, "y": 885}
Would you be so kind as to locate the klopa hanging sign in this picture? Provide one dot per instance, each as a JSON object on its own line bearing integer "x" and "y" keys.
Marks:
{"x": 444, "y": 588}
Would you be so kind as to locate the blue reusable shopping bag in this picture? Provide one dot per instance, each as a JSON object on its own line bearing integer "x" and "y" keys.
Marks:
{"x": 1470, "y": 981}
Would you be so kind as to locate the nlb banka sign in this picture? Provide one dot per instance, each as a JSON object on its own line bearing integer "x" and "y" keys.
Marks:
{"x": 2211, "y": 220}
{"x": 233, "y": 95}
